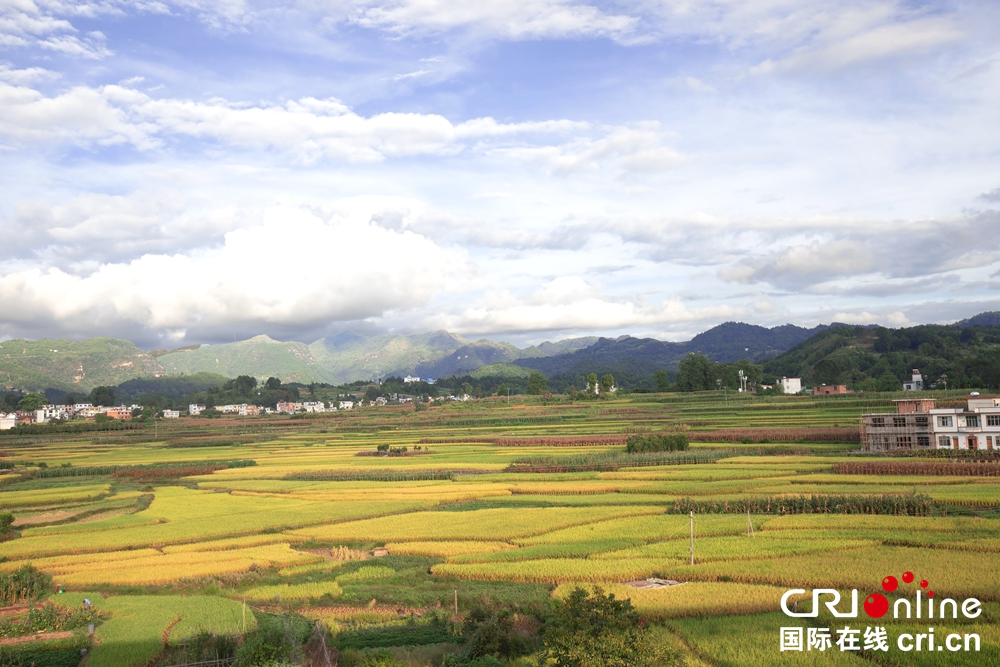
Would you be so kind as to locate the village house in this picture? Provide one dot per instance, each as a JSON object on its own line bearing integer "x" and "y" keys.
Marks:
{"x": 171, "y": 414}
{"x": 289, "y": 408}
{"x": 120, "y": 412}
{"x": 918, "y": 424}
{"x": 916, "y": 382}
{"x": 7, "y": 421}
{"x": 49, "y": 412}
{"x": 194, "y": 409}
{"x": 314, "y": 406}
{"x": 791, "y": 385}
{"x": 346, "y": 405}
{"x": 831, "y": 390}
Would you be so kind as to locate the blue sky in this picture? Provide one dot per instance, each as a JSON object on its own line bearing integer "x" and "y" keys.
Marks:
{"x": 191, "y": 171}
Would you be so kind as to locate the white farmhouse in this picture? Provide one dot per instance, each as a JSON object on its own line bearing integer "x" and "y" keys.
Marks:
{"x": 791, "y": 385}
{"x": 916, "y": 382}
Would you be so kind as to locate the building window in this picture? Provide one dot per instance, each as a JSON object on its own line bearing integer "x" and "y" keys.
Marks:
{"x": 899, "y": 422}
{"x": 972, "y": 420}
{"x": 904, "y": 441}
{"x": 920, "y": 421}
{"x": 924, "y": 440}
{"x": 878, "y": 421}
{"x": 993, "y": 420}
{"x": 944, "y": 421}
{"x": 944, "y": 442}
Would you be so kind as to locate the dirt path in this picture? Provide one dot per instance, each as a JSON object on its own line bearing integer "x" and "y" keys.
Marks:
{"x": 41, "y": 636}
{"x": 14, "y": 610}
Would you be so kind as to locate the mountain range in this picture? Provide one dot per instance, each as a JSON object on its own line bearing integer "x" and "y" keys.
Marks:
{"x": 78, "y": 366}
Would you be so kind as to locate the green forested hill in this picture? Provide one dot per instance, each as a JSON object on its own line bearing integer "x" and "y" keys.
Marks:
{"x": 259, "y": 357}
{"x": 876, "y": 358}
{"x": 76, "y": 366}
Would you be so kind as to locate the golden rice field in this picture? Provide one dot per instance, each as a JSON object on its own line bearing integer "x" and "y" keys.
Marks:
{"x": 305, "y": 529}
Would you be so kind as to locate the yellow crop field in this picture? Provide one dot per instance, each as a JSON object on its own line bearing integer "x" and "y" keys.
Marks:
{"x": 738, "y": 547}
{"x": 446, "y": 549}
{"x": 693, "y": 599}
{"x": 641, "y": 529}
{"x": 901, "y": 524}
{"x": 38, "y": 497}
{"x": 231, "y": 543}
{"x": 294, "y": 591}
{"x": 946, "y": 570}
{"x": 162, "y": 568}
{"x": 557, "y": 570}
{"x": 185, "y": 515}
{"x": 485, "y": 525}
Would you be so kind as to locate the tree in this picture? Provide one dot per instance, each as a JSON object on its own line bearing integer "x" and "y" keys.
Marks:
{"x": 592, "y": 383}
{"x": 502, "y": 389}
{"x": 243, "y": 385}
{"x": 695, "y": 373}
{"x": 537, "y": 384}
{"x": 607, "y": 382}
{"x": 597, "y": 630}
{"x": 272, "y": 384}
{"x": 31, "y": 402}
{"x": 103, "y": 396}
{"x": 662, "y": 379}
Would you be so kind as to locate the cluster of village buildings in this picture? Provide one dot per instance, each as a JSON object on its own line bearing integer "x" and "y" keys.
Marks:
{"x": 48, "y": 413}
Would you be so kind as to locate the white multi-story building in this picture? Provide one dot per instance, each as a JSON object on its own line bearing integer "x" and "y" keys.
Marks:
{"x": 314, "y": 406}
{"x": 917, "y": 424}
{"x": 194, "y": 409}
{"x": 171, "y": 414}
{"x": 7, "y": 422}
{"x": 916, "y": 382}
{"x": 50, "y": 412}
{"x": 346, "y": 405}
{"x": 411, "y": 378}
{"x": 791, "y": 385}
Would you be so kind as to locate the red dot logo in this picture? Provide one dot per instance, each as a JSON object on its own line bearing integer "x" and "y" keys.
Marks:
{"x": 923, "y": 584}
{"x": 889, "y": 584}
{"x": 907, "y": 577}
{"x": 930, "y": 594}
{"x": 876, "y": 606}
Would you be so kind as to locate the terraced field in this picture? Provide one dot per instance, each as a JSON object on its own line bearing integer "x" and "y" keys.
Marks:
{"x": 310, "y": 526}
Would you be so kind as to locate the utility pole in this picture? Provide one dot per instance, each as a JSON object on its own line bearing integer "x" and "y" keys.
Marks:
{"x": 692, "y": 537}
{"x": 456, "y": 605}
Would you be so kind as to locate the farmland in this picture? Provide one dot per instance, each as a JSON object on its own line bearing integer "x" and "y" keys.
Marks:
{"x": 515, "y": 504}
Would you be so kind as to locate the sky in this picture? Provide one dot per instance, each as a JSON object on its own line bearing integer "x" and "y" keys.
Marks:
{"x": 188, "y": 171}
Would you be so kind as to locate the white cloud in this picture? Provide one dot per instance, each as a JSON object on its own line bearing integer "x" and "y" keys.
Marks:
{"x": 893, "y": 319}
{"x": 308, "y": 128}
{"x": 26, "y": 76}
{"x": 25, "y": 23}
{"x": 633, "y": 149}
{"x": 569, "y": 303}
{"x": 511, "y": 19}
{"x": 294, "y": 269}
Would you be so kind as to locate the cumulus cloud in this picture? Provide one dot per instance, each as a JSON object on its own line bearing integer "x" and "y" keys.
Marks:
{"x": 25, "y": 76}
{"x": 569, "y": 303}
{"x": 293, "y": 269}
{"x": 308, "y": 128}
